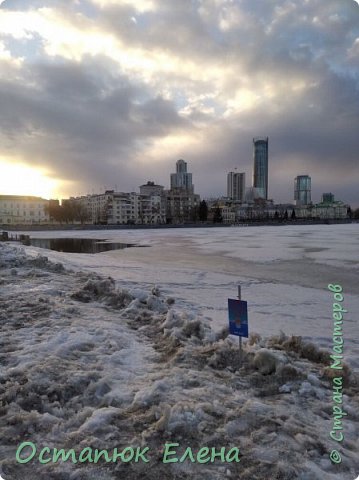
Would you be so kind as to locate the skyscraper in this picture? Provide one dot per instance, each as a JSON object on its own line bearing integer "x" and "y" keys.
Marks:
{"x": 260, "y": 166}
{"x": 181, "y": 179}
{"x": 302, "y": 190}
{"x": 182, "y": 202}
{"x": 236, "y": 185}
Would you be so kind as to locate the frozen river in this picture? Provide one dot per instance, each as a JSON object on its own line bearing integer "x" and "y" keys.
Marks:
{"x": 283, "y": 272}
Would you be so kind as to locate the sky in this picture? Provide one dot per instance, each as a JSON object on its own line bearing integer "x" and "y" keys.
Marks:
{"x": 105, "y": 94}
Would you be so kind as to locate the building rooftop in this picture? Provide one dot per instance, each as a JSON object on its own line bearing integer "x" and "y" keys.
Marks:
{"x": 151, "y": 184}
{"x": 21, "y": 197}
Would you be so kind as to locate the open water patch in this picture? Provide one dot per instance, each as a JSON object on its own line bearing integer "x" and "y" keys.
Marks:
{"x": 78, "y": 245}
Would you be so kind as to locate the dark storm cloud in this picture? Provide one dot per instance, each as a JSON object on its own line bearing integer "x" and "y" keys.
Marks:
{"x": 80, "y": 121}
{"x": 239, "y": 69}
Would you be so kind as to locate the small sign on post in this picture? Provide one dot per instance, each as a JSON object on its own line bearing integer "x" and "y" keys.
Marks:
{"x": 238, "y": 319}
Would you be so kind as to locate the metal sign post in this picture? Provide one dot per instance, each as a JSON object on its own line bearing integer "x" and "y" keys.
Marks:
{"x": 238, "y": 319}
{"x": 240, "y": 338}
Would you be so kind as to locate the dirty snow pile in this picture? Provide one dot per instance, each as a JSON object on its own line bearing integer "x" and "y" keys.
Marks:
{"x": 87, "y": 364}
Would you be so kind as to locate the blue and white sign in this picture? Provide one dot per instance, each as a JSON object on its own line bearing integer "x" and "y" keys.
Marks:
{"x": 238, "y": 317}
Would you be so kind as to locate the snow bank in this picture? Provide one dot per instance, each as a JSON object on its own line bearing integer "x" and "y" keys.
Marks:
{"x": 86, "y": 363}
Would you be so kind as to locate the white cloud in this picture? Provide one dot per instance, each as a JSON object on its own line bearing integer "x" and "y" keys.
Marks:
{"x": 140, "y": 5}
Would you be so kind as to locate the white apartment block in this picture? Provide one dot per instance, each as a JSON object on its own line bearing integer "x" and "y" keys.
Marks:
{"x": 119, "y": 208}
{"x": 123, "y": 208}
{"x": 111, "y": 207}
{"x": 153, "y": 209}
{"x": 152, "y": 204}
{"x": 23, "y": 210}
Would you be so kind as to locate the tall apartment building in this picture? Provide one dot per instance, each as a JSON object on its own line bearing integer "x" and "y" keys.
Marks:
{"x": 302, "y": 190}
{"x": 182, "y": 202}
{"x": 23, "y": 210}
{"x": 182, "y": 179}
{"x": 236, "y": 186}
{"x": 260, "y": 166}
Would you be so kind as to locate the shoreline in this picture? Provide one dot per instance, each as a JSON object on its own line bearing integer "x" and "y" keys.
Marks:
{"x": 25, "y": 227}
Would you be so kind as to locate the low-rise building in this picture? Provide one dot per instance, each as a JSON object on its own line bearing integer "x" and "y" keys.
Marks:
{"x": 222, "y": 209}
{"x": 121, "y": 208}
{"x": 324, "y": 211}
{"x": 320, "y": 211}
{"x": 152, "y": 204}
{"x": 109, "y": 208}
{"x": 152, "y": 209}
{"x": 23, "y": 210}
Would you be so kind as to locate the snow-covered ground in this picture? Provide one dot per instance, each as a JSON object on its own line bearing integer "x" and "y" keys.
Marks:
{"x": 92, "y": 361}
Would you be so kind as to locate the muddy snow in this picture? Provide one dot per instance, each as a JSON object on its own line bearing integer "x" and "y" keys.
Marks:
{"x": 86, "y": 362}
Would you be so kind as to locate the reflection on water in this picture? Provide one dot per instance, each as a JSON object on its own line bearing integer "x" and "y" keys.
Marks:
{"x": 77, "y": 245}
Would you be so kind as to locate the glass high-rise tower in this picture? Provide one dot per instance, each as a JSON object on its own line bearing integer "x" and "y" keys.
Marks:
{"x": 260, "y": 166}
{"x": 302, "y": 190}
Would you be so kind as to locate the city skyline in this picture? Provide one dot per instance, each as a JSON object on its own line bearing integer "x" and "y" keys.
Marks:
{"x": 236, "y": 188}
{"x": 98, "y": 93}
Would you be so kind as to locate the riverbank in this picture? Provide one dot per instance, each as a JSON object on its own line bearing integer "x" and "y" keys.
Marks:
{"x": 14, "y": 228}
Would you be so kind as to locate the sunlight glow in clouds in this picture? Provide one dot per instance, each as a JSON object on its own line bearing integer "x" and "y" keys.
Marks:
{"x": 74, "y": 40}
{"x": 20, "y": 179}
{"x": 175, "y": 145}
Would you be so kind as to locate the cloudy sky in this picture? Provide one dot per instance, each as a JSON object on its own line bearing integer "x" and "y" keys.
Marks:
{"x": 101, "y": 94}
